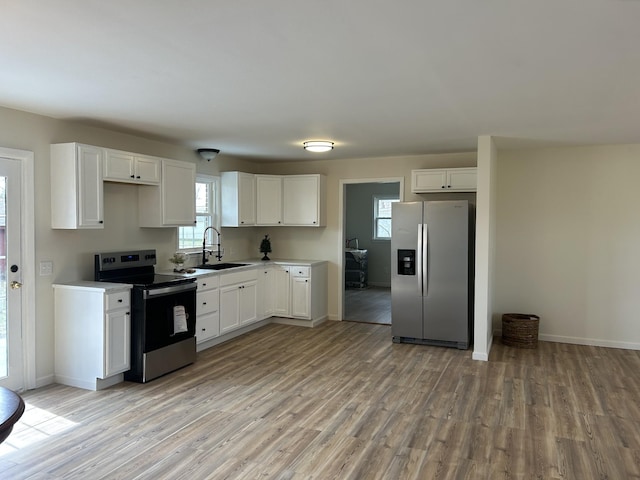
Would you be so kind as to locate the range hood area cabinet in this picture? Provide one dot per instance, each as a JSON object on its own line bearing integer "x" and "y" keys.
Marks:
{"x": 76, "y": 186}
{"x": 435, "y": 180}
{"x": 273, "y": 200}
{"x": 125, "y": 167}
{"x": 172, "y": 203}
{"x": 166, "y": 187}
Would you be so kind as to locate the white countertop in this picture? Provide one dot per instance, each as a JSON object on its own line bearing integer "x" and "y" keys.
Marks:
{"x": 92, "y": 285}
{"x": 252, "y": 263}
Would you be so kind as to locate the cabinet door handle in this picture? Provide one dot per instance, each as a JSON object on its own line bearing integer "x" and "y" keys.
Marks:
{"x": 127, "y": 313}
{"x": 138, "y": 176}
{"x": 132, "y": 176}
{"x": 204, "y": 303}
{"x": 100, "y": 221}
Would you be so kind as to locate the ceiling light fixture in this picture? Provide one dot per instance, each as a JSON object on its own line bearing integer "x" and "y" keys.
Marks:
{"x": 208, "y": 153}
{"x": 318, "y": 146}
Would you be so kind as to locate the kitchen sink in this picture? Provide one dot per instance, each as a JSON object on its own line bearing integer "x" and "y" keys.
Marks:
{"x": 221, "y": 266}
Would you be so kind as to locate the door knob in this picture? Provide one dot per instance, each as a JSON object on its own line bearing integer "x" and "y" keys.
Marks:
{"x": 15, "y": 285}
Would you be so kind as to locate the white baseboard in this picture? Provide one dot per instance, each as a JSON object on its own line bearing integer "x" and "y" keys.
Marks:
{"x": 299, "y": 323}
{"x": 44, "y": 381}
{"x": 593, "y": 342}
{"x": 483, "y": 357}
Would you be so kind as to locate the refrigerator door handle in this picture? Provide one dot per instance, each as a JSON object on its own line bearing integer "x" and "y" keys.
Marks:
{"x": 425, "y": 259}
{"x": 419, "y": 258}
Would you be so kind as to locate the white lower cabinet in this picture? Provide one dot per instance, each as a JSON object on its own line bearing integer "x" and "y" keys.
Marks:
{"x": 207, "y": 308}
{"x": 266, "y": 289}
{"x": 281, "y": 290}
{"x": 292, "y": 293}
{"x": 300, "y": 291}
{"x": 238, "y": 299}
{"x": 92, "y": 334}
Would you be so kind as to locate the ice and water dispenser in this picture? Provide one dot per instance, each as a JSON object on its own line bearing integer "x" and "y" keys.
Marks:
{"x": 406, "y": 262}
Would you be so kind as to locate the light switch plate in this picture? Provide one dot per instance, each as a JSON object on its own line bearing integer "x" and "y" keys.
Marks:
{"x": 46, "y": 268}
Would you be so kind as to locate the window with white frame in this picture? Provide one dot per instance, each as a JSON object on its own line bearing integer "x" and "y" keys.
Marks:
{"x": 382, "y": 216}
{"x": 207, "y": 215}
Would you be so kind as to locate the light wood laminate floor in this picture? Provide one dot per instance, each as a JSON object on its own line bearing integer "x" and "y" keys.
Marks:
{"x": 342, "y": 401}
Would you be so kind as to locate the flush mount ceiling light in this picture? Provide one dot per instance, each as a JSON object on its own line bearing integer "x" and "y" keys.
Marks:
{"x": 318, "y": 146}
{"x": 208, "y": 153}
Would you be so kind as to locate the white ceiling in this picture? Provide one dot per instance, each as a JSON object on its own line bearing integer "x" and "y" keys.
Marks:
{"x": 255, "y": 78}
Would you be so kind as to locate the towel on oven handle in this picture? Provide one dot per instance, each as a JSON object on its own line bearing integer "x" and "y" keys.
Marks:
{"x": 179, "y": 319}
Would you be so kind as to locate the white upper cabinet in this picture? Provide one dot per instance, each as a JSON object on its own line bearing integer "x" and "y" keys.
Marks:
{"x": 166, "y": 192}
{"x": 303, "y": 200}
{"x": 238, "y": 198}
{"x": 444, "y": 180}
{"x": 131, "y": 168}
{"x": 173, "y": 202}
{"x": 76, "y": 186}
{"x": 268, "y": 199}
{"x": 274, "y": 200}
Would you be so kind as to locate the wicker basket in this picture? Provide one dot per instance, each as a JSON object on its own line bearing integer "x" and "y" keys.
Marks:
{"x": 520, "y": 330}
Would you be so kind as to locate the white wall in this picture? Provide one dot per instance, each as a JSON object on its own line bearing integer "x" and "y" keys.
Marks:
{"x": 568, "y": 238}
{"x": 485, "y": 247}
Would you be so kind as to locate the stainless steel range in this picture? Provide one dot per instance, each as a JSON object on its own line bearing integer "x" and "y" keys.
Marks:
{"x": 163, "y": 313}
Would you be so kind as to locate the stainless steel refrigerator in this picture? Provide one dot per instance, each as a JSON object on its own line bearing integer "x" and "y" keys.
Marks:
{"x": 432, "y": 272}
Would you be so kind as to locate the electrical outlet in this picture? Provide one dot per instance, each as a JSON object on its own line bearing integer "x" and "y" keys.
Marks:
{"x": 46, "y": 268}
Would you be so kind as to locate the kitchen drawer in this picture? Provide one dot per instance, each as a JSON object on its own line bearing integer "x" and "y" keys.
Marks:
{"x": 238, "y": 277}
{"x": 207, "y": 326}
{"x": 207, "y": 301}
{"x": 208, "y": 282}
{"x": 118, "y": 300}
{"x": 298, "y": 271}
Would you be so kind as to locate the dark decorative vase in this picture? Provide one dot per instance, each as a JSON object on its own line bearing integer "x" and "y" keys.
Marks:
{"x": 265, "y": 247}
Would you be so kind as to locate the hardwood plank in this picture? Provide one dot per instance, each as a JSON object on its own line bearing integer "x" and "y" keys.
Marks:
{"x": 343, "y": 401}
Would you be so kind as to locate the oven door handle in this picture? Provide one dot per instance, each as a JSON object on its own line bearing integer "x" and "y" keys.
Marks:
{"x": 157, "y": 292}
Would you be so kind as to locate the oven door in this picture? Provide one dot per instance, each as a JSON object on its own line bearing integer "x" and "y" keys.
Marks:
{"x": 163, "y": 317}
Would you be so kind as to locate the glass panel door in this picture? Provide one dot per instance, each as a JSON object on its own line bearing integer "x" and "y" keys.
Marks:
{"x": 11, "y": 361}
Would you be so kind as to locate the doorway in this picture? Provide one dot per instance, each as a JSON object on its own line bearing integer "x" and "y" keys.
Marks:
{"x": 16, "y": 243}
{"x": 366, "y": 249}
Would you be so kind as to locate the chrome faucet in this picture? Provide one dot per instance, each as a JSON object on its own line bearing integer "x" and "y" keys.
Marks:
{"x": 204, "y": 245}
